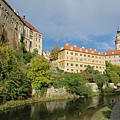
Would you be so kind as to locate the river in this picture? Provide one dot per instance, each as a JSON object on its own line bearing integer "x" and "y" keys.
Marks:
{"x": 80, "y": 109}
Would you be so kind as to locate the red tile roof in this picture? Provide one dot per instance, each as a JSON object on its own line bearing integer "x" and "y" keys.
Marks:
{"x": 112, "y": 52}
{"x": 24, "y": 21}
{"x": 77, "y": 49}
{"x": 29, "y": 25}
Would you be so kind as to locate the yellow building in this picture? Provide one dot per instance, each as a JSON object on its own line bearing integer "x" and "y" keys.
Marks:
{"x": 75, "y": 59}
{"x": 14, "y": 27}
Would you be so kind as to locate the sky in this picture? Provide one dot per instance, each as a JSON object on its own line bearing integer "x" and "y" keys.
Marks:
{"x": 89, "y": 23}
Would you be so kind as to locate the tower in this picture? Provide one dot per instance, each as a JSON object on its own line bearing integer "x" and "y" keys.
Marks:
{"x": 117, "y": 41}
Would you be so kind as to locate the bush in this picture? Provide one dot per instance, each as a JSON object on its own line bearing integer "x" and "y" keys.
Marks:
{"x": 108, "y": 90}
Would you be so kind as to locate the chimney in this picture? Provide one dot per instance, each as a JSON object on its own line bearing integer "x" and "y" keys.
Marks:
{"x": 23, "y": 16}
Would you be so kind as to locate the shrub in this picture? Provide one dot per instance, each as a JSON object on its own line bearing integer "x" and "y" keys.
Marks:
{"x": 108, "y": 89}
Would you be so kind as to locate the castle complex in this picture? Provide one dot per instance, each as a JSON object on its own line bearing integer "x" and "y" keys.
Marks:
{"x": 70, "y": 58}
{"x": 75, "y": 59}
{"x": 14, "y": 28}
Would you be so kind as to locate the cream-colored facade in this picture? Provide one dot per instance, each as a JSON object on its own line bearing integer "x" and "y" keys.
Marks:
{"x": 113, "y": 56}
{"x": 74, "y": 59}
{"x": 14, "y": 27}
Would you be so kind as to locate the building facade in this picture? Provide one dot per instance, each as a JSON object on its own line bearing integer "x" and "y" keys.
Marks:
{"x": 74, "y": 59}
{"x": 113, "y": 56}
{"x": 14, "y": 27}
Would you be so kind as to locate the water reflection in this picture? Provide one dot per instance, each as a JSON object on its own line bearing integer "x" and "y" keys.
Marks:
{"x": 80, "y": 109}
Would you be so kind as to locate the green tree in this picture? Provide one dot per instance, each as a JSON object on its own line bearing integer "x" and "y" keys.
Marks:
{"x": 39, "y": 72}
{"x": 89, "y": 73}
{"x": 74, "y": 83}
{"x": 13, "y": 81}
{"x": 114, "y": 77}
{"x": 100, "y": 80}
{"x": 112, "y": 72}
{"x": 54, "y": 52}
{"x": 22, "y": 45}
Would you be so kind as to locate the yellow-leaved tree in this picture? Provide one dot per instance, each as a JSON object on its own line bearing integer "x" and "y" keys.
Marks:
{"x": 39, "y": 72}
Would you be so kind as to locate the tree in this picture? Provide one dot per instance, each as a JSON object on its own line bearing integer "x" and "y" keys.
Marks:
{"x": 22, "y": 45}
{"x": 13, "y": 81}
{"x": 54, "y": 52}
{"x": 73, "y": 83}
{"x": 89, "y": 73}
{"x": 1, "y": 38}
{"x": 100, "y": 80}
{"x": 114, "y": 77}
{"x": 39, "y": 72}
{"x": 112, "y": 72}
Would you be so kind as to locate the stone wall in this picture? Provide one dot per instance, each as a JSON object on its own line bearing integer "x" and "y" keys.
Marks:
{"x": 51, "y": 92}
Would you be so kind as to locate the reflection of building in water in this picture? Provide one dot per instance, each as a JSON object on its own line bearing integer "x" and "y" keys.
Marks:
{"x": 51, "y": 106}
{"x": 94, "y": 102}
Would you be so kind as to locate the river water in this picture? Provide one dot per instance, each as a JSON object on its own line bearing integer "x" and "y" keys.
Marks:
{"x": 80, "y": 109}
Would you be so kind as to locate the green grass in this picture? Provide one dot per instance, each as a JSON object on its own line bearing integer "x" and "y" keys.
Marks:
{"x": 17, "y": 103}
{"x": 104, "y": 113}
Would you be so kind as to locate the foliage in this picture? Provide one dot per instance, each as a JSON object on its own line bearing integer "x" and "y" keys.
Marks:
{"x": 112, "y": 72}
{"x": 54, "y": 52}
{"x": 108, "y": 89}
{"x": 59, "y": 70}
{"x": 89, "y": 73}
{"x": 114, "y": 77}
{"x": 13, "y": 81}
{"x": 39, "y": 72}
{"x": 27, "y": 56}
{"x": 74, "y": 83}
{"x": 2, "y": 39}
{"x": 100, "y": 80}
{"x": 22, "y": 45}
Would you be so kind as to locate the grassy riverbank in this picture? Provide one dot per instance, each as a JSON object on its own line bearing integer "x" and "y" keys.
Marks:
{"x": 103, "y": 113}
{"x": 17, "y": 103}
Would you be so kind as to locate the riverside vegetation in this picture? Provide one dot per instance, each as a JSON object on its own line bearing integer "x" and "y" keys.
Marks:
{"x": 21, "y": 71}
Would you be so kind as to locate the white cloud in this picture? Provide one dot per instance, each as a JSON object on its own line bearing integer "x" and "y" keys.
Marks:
{"x": 71, "y": 19}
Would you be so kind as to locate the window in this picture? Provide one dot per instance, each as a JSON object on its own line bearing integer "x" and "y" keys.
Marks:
{"x": 84, "y": 55}
{"x": 76, "y": 65}
{"x": 81, "y": 59}
{"x": 84, "y": 65}
{"x": 71, "y": 69}
{"x": 76, "y": 59}
{"x": 67, "y": 64}
{"x": 92, "y": 56}
{"x": 88, "y": 55}
{"x": 71, "y": 53}
{"x": 67, "y": 52}
{"x": 76, "y": 53}
{"x": 81, "y": 65}
{"x": 71, "y": 58}
{"x": 71, "y": 64}
{"x": 30, "y": 43}
{"x": 80, "y": 54}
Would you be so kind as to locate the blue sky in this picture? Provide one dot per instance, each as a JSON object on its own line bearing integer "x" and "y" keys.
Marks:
{"x": 89, "y": 23}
